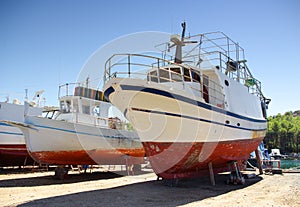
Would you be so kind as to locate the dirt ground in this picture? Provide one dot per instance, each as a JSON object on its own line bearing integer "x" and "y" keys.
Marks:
{"x": 112, "y": 189}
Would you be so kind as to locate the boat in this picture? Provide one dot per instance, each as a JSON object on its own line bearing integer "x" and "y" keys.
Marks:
{"x": 196, "y": 111}
{"x": 276, "y": 155}
{"x": 13, "y": 150}
{"x": 81, "y": 133}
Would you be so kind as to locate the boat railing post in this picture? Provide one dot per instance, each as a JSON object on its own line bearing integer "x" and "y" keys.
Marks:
{"x": 67, "y": 88}
{"x": 158, "y": 75}
{"x": 220, "y": 58}
{"x": 228, "y": 49}
{"x": 59, "y": 91}
{"x": 108, "y": 72}
{"x": 237, "y": 61}
{"x": 129, "y": 65}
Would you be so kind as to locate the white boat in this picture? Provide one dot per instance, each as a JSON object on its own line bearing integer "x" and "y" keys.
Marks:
{"x": 81, "y": 133}
{"x": 275, "y": 154}
{"x": 13, "y": 150}
{"x": 202, "y": 107}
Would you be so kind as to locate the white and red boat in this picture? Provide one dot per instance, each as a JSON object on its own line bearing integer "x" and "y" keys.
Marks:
{"x": 81, "y": 132}
{"x": 200, "y": 108}
{"x": 13, "y": 150}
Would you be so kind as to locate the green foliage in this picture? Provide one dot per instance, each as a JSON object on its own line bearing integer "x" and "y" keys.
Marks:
{"x": 284, "y": 132}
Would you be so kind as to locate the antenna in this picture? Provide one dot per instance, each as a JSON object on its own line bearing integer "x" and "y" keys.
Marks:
{"x": 183, "y": 24}
{"x": 87, "y": 80}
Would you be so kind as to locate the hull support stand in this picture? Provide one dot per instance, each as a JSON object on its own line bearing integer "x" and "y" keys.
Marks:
{"x": 129, "y": 165}
{"x": 235, "y": 176}
{"x": 258, "y": 162}
{"x": 211, "y": 174}
{"x": 61, "y": 172}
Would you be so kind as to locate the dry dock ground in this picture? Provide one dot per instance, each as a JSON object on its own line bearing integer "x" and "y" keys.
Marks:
{"x": 110, "y": 189}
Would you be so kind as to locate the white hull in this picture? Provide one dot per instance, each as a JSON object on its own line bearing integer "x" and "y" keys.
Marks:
{"x": 59, "y": 142}
{"x": 182, "y": 136}
{"x": 12, "y": 142}
{"x": 158, "y": 117}
{"x": 10, "y": 135}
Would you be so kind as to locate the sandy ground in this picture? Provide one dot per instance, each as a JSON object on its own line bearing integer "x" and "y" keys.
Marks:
{"x": 110, "y": 189}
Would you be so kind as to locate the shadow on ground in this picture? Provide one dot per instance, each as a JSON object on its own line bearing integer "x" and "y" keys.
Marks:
{"x": 150, "y": 193}
{"x": 50, "y": 179}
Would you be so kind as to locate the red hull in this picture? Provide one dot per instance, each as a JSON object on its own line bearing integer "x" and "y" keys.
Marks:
{"x": 14, "y": 155}
{"x": 184, "y": 160}
{"x": 93, "y": 157}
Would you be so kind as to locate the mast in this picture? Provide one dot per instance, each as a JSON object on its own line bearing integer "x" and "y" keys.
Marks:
{"x": 179, "y": 44}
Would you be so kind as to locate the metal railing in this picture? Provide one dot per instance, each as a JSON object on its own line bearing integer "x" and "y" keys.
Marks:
{"x": 158, "y": 70}
{"x": 207, "y": 51}
{"x": 67, "y": 89}
{"x": 215, "y": 49}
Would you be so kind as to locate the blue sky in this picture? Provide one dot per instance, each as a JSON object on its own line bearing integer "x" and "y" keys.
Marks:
{"x": 46, "y": 43}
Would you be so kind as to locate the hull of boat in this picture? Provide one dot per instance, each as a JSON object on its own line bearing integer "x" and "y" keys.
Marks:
{"x": 181, "y": 160}
{"x": 182, "y": 134}
{"x": 13, "y": 151}
{"x": 14, "y": 155}
{"x": 59, "y": 142}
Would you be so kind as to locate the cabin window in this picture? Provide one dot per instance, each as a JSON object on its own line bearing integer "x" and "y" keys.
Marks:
{"x": 205, "y": 88}
{"x": 195, "y": 77}
{"x": 65, "y": 106}
{"x": 187, "y": 76}
{"x": 86, "y": 109}
{"x": 152, "y": 76}
{"x": 176, "y": 74}
{"x": 164, "y": 75}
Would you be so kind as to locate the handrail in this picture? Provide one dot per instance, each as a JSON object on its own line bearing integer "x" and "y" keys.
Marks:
{"x": 163, "y": 75}
{"x": 132, "y": 55}
{"x": 213, "y": 50}
{"x": 79, "y": 89}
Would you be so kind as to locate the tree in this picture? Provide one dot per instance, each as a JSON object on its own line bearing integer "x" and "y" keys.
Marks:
{"x": 284, "y": 132}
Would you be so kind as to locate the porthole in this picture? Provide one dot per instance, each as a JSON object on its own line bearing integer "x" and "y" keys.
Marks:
{"x": 238, "y": 124}
{"x": 227, "y": 122}
{"x": 226, "y": 83}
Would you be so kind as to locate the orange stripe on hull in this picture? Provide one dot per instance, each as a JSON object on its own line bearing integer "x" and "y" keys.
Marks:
{"x": 181, "y": 160}
{"x": 92, "y": 157}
